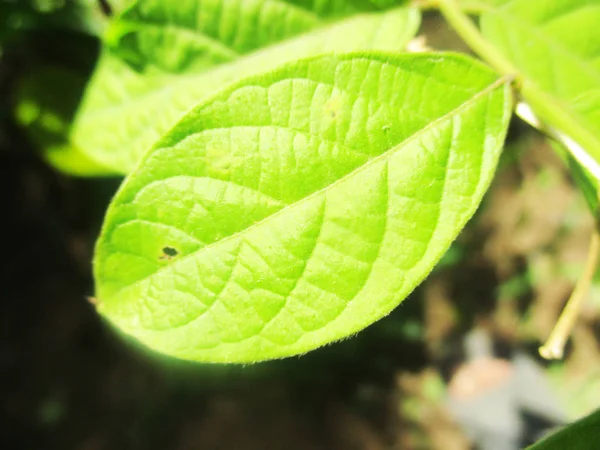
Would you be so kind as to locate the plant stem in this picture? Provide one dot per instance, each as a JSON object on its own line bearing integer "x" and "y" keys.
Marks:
{"x": 469, "y": 33}
{"x": 555, "y": 345}
{"x": 585, "y": 147}
{"x": 105, "y": 7}
{"x": 581, "y": 143}
{"x": 525, "y": 112}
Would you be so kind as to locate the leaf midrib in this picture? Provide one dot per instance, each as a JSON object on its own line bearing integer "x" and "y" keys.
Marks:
{"x": 342, "y": 145}
{"x": 491, "y": 87}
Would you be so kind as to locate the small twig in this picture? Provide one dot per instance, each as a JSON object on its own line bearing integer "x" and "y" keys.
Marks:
{"x": 555, "y": 345}
{"x": 466, "y": 29}
{"x": 105, "y": 7}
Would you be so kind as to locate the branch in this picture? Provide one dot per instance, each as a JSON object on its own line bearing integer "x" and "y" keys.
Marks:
{"x": 555, "y": 345}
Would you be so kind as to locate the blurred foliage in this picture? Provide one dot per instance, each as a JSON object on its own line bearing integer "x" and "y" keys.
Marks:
{"x": 18, "y": 17}
{"x": 50, "y": 43}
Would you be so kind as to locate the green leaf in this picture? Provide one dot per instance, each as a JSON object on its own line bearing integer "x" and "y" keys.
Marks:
{"x": 192, "y": 35}
{"x": 47, "y": 98}
{"x": 45, "y": 115}
{"x": 117, "y": 6}
{"x": 555, "y": 45}
{"x": 138, "y": 108}
{"x": 474, "y": 7}
{"x": 479, "y": 6}
{"x": 299, "y": 206}
{"x": 581, "y": 435}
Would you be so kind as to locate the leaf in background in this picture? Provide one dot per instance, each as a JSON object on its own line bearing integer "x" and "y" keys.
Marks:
{"x": 192, "y": 35}
{"x": 581, "y": 435}
{"x": 19, "y": 17}
{"x": 49, "y": 91}
{"x": 482, "y": 5}
{"x": 588, "y": 105}
{"x": 56, "y": 44}
{"x": 299, "y": 206}
{"x": 556, "y": 44}
{"x": 46, "y": 115}
{"x": 117, "y": 6}
{"x": 124, "y": 111}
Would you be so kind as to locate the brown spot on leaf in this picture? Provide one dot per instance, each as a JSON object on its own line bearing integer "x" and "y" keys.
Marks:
{"x": 333, "y": 106}
{"x": 168, "y": 253}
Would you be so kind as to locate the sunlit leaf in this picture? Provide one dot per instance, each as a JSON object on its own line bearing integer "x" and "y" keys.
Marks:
{"x": 299, "y": 206}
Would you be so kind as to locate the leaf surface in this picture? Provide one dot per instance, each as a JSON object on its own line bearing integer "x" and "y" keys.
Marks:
{"x": 137, "y": 108}
{"x": 301, "y": 205}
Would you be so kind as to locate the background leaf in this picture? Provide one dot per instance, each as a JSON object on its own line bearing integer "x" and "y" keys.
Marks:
{"x": 52, "y": 68}
{"x": 46, "y": 115}
{"x": 299, "y": 206}
{"x": 560, "y": 56}
{"x": 138, "y": 107}
{"x": 581, "y": 435}
{"x": 192, "y": 35}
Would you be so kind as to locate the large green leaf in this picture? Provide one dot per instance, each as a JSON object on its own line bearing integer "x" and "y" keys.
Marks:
{"x": 124, "y": 111}
{"x": 581, "y": 435}
{"x": 555, "y": 45}
{"x": 299, "y": 206}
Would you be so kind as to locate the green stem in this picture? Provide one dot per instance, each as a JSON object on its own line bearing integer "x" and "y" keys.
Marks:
{"x": 587, "y": 147}
{"x": 548, "y": 108}
{"x": 473, "y": 38}
{"x": 580, "y": 142}
{"x": 554, "y": 346}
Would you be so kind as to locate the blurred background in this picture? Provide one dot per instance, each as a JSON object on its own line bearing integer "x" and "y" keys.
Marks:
{"x": 68, "y": 381}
